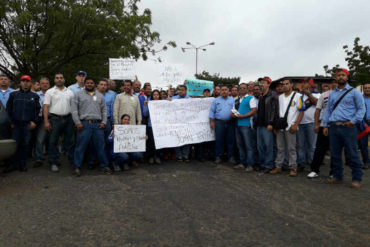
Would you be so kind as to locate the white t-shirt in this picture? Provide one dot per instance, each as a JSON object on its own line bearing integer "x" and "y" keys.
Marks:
{"x": 309, "y": 114}
{"x": 293, "y": 110}
{"x": 322, "y": 102}
{"x": 59, "y": 101}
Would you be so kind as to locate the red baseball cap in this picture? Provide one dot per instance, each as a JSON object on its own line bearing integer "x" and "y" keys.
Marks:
{"x": 342, "y": 70}
{"x": 268, "y": 79}
{"x": 26, "y": 78}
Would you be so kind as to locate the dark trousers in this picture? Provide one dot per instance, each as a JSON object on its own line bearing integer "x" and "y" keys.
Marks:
{"x": 322, "y": 146}
{"x": 344, "y": 137}
{"x": 61, "y": 127}
{"x": 22, "y": 135}
{"x": 224, "y": 131}
{"x": 151, "y": 151}
{"x": 363, "y": 146}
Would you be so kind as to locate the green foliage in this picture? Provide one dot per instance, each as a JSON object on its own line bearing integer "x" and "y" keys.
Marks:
{"x": 217, "y": 79}
{"x": 358, "y": 62}
{"x": 41, "y": 37}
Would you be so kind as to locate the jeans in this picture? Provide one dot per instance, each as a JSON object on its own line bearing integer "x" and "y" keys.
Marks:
{"x": 344, "y": 137}
{"x": 286, "y": 143}
{"x": 41, "y": 135}
{"x": 182, "y": 152}
{"x": 151, "y": 150}
{"x": 92, "y": 154}
{"x": 22, "y": 135}
{"x": 61, "y": 127}
{"x": 306, "y": 143}
{"x": 265, "y": 146}
{"x": 244, "y": 140}
{"x": 254, "y": 146}
{"x": 363, "y": 146}
{"x": 122, "y": 158}
{"x": 322, "y": 146}
{"x": 90, "y": 131}
{"x": 224, "y": 130}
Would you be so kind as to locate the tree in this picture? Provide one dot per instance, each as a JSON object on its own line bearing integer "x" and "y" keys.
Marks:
{"x": 358, "y": 62}
{"x": 41, "y": 37}
{"x": 217, "y": 79}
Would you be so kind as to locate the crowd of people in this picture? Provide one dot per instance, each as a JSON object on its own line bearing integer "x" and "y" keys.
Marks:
{"x": 257, "y": 128}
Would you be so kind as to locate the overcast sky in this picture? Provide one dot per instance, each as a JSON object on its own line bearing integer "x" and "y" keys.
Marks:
{"x": 257, "y": 38}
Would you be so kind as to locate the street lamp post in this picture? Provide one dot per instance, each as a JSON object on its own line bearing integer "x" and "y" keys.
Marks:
{"x": 196, "y": 48}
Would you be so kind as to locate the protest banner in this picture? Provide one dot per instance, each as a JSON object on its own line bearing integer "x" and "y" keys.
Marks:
{"x": 129, "y": 138}
{"x": 171, "y": 74}
{"x": 121, "y": 69}
{"x": 196, "y": 87}
{"x": 179, "y": 122}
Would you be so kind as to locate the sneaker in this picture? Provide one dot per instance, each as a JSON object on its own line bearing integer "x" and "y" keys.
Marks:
{"x": 232, "y": 160}
{"x": 179, "y": 159}
{"x": 54, "y": 168}
{"x": 356, "y": 184}
{"x": 151, "y": 160}
{"x": 107, "y": 171}
{"x": 276, "y": 170}
{"x": 249, "y": 169}
{"x": 116, "y": 168}
{"x": 240, "y": 166}
{"x": 77, "y": 172}
{"x": 293, "y": 173}
{"x": 186, "y": 159}
{"x": 157, "y": 160}
{"x": 38, "y": 163}
{"x": 312, "y": 175}
{"x": 126, "y": 167}
{"x": 218, "y": 160}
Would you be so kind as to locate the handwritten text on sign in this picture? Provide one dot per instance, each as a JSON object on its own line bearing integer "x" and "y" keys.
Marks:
{"x": 179, "y": 122}
{"x": 129, "y": 138}
{"x": 171, "y": 74}
{"x": 120, "y": 69}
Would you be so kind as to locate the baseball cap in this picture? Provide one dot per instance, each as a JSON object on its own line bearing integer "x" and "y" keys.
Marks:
{"x": 81, "y": 72}
{"x": 26, "y": 78}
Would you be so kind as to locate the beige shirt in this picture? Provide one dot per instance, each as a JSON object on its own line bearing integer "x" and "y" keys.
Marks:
{"x": 127, "y": 104}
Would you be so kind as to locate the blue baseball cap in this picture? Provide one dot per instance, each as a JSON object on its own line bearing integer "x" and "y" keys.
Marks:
{"x": 81, "y": 72}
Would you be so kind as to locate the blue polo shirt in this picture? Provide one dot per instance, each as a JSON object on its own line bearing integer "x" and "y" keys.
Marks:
{"x": 109, "y": 98}
{"x": 221, "y": 108}
{"x": 178, "y": 97}
{"x": 351, "y": 108}
{"x": 75, "y": 88}
{"x": 367, "y": 104}
{"x": 4, "y": 96}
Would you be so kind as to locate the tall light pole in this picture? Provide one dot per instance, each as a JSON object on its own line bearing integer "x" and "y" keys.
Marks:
{"x": 196, "y": 48}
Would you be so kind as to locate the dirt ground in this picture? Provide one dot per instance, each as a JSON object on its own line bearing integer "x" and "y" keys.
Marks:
{"x": 181, "y": 204}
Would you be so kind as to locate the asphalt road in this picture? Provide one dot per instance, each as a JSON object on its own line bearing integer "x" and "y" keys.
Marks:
{"x": 178, "y": 204}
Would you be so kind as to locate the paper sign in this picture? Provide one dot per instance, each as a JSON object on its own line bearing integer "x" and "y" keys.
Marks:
{"x": 171, "y": 74}
{"x": 179, "y": 122}
{"x": 129, "y": 138}
{"x": 121, "y": 69}
{"x": 196, "y": 87}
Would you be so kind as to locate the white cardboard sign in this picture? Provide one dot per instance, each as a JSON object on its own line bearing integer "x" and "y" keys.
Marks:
{"x": 129, "y": 138}
{"x": 121, "y": 69}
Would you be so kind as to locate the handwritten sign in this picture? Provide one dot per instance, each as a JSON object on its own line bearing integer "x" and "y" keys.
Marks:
{"x": 179, "y": 122}
{"x": 121, "y": 69}
{"x": 129, "y": 138}
{"x": 196, "y": 87}
{"x": 171, "y": 74}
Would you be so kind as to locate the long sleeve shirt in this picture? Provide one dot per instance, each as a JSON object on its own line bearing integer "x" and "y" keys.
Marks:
{"x": 89, "y": 107}
{"x": 109, "y": 97}
{"x": 23, "y": 106}
{"x": 351, "y": 108}
{"x": 221, "y": 108}
{"x": 127, "y": 104}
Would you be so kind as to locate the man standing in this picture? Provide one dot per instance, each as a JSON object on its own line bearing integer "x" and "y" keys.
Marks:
{"x": 363, "y": 142}
{"x": 341, "y": 116}
{"x": 306, "y": 134}
{"x": 244, "y": 137}
{"x": 235, "y": 92}
{"x": 41, "y": 133}
{"x": 5, "y": 89}
{"x": 79, "y": 85}
{"x": 219, "y": 117}
{"x": 216, "y": 91}
{"x": 89, "y": 113}
{"x": 267, "y": 113}
{"x": 145, "y": 98}
{"x": 136, "y": 87}
{"x": 112, "y": 85}
{"x": 289, "y": 103}
{"x": 58, "y": 120}
{"x": 127, "y": 103}
{"x": 182, "y": 153}
{"x": 322, "y": 142}
{"x": 23, "y": 107}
